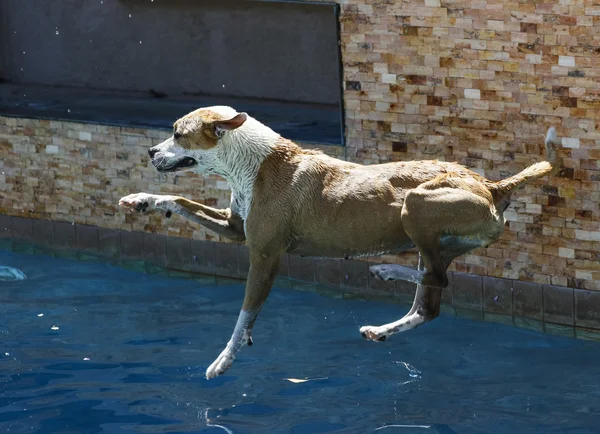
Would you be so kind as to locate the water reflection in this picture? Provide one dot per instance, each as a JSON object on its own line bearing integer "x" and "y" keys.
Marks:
{"x": 10, "y": 274}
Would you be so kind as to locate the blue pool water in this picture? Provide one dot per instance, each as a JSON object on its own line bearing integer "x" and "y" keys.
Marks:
{"x": 149, "y": 340}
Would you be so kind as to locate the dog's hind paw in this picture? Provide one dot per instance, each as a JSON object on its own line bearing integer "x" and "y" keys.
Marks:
{"x": 221, "y": 364}
{"x": 372, "y": 333}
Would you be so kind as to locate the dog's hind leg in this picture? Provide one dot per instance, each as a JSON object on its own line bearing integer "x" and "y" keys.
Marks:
{"x": 447, "y": 210}
{"x": 426, "y": 306}
{"x": 260, "y": 279}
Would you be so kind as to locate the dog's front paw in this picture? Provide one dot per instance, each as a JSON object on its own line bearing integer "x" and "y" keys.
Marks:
{"x": 222, "y": 364}
{"x": 372, "y": 333}
{"x": 143, "y": 202}
{"x": 140, "y": 202}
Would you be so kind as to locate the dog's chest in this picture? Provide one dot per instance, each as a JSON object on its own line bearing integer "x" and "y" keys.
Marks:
{"x": 240, "y": 202}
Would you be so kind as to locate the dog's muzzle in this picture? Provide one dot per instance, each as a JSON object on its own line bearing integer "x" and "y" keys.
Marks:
{"x": 173, "y": 166}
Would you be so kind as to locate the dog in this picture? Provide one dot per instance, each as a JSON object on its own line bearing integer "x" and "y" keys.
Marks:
{"x": 288, "y": 199}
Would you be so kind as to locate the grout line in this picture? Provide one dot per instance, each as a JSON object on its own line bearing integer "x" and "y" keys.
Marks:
{"x": 512, "y": 298}
{"x": 543, "y": 310}
{"x": 574, "y": 311}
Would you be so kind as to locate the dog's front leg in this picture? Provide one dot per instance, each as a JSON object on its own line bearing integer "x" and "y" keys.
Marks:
{"x": 426, "y": 307}
{"x": 263, "y": 269}
{"x": 221, "y": 221}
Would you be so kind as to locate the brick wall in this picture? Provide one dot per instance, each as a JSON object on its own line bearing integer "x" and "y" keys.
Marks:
{"x": 479, "y": 82}
{"x": 476, "y": 81}
{"x": 76, "y": 172}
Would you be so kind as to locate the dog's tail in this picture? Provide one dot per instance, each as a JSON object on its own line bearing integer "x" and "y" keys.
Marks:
{"x": 537, "y": 170}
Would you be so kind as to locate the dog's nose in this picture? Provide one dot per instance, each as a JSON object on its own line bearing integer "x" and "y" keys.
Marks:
{"x": 152, "y": 152}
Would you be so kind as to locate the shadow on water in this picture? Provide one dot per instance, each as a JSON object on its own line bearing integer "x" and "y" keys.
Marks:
{"x": 89, "y": 348}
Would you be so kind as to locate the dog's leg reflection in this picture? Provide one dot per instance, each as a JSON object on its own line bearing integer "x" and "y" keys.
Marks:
{"x": 426, "y": 307}
{"x": 396, "y": 272}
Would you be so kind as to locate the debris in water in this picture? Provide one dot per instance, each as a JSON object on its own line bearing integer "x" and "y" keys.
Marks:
{"x": 54, "y": 327}
{"x": 299, "y": 380}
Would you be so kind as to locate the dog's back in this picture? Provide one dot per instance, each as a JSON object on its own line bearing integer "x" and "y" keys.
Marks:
{"x": 334, "y": 208}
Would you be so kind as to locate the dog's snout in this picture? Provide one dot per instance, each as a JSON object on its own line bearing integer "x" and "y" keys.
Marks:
{"x": 152, "y": 152}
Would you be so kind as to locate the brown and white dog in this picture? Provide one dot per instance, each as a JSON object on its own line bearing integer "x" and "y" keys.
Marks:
{"x": 288, "y": 199}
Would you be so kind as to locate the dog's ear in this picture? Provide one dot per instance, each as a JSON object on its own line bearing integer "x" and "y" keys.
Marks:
{"x": 221, "y": 127}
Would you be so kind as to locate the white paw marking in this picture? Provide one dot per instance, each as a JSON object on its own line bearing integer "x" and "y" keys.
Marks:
{"x": 372, "y": 333}
{"x": 221, "y": 364}
{"x": 145, "y": 202}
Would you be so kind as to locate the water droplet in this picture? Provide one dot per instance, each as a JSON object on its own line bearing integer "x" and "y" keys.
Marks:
{"x": 223, "y": 86}
{"x": 40, "y": 314}
{"x": 86, "y": 358}
{"x": 23, "y": 52}
{"x": 54, "y": 327}
{"x": 129, "y": 15}
{"x": 56, "y": 32}
{"x": 7, "y": 354}
{"x": 140, "y": 42}
{"x": 68, "y": 110}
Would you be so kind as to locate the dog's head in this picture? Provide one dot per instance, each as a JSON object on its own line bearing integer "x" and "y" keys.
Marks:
{"x": 195, "y": 139}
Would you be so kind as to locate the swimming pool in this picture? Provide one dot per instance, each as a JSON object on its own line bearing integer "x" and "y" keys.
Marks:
{"x": 91, "y": 348}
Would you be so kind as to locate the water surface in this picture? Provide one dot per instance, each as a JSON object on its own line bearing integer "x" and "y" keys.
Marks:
{"x": 91, "y": 348}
